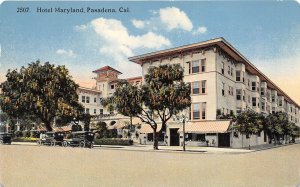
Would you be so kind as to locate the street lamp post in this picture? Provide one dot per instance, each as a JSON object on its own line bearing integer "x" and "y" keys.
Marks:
{"x": 183, "y": 119}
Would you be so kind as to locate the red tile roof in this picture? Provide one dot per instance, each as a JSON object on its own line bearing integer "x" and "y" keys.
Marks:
{"x": 106, "y": 68}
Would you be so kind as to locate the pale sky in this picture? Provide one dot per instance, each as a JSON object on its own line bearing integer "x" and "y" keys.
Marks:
{"x": 267, "y": 33}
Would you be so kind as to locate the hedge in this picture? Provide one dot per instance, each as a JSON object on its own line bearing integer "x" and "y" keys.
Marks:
{"x": 25, "y": 139}
{"x": 112, "y": 141}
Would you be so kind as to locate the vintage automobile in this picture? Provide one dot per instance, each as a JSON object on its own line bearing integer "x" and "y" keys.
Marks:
{"x": 80, "y": 139}
{"x": 52, "y": 139}
{"x": 5, "y": 138}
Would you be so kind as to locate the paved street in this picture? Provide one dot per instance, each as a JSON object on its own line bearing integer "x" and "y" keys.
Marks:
{"x": 28, "y": 165}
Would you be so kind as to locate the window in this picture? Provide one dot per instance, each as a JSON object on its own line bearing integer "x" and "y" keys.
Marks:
{"x": 222, "y": 68}
{"x": 195, "y": 66}
{"x": 253, "y": 86}
{"x": 112, "y": 86}
{"x": 83, "y": 99}
{"x": 199, "y": 111}
{"x": 228, "y": 70}
{"x": 238, "y": 94}
{"x": 230, "y": 90}
{"x": 231, "y": 71}
{"x": 273, "y": 98}
{"x": 203, "y": 110}
{"x": 189, "y": 64}
{"x": 95, "y": 100}
{"x": 243, "y": 77}
{"x": 194, "y": 137}
{"x": 273, "y": 110}
{"x": 95, "y": 111}
{"x": 253, "y": 101}
{"x": 203, "y": 63}
{"x": 87, "y": 99}
{"x": 223, "y": 89}
{"x": 244, "y": 95}
{"x": 196, "y": 87}
{"x": 196, "y": 111}
{"x": 87, "y": 110}
{"x": 262, "y": 91}
{"x": 203, "y": 87}
{"x": 263, "y": 106}
{"x": 111, "y": 112}
{"x": 238, "y": 110}
{"x": 238, "y": 75}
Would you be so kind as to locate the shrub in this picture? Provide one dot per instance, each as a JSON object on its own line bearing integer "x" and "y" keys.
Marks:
{"x": 25, "y": 139}
{"x": 34, "y": 134}
{"x": 26, "y": 133}
{"x": 113, "y": 141}
{"x": 18, "y": 134}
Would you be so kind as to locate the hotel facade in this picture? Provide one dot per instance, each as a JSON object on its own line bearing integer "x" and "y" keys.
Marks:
{"x": 222, "y": 81}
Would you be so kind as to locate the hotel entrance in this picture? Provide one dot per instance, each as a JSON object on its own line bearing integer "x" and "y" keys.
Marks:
{"x": 174, "y": 137}
{"x": 224, "y": 139}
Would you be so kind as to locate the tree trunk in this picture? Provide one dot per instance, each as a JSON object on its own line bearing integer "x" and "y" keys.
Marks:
{"x": 155, "y": 140}
{"x": 48, "y": 125}
{"x": 249, "y": 142}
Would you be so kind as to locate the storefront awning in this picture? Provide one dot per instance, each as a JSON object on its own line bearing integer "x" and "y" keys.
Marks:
{"x": 63, "y": 129}
{"x": 146, "y": 128}
{"x": 216, "y": 126}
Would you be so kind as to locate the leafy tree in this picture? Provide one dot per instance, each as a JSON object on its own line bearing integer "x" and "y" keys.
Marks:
{"x": 41, "y": 90}
{"x": 248, "y": 123}
{"x": 163, "y": 95}
{"x": 277, "y": 125}
{"x": 101, "y": 129}
{"x": 76, "y": 127}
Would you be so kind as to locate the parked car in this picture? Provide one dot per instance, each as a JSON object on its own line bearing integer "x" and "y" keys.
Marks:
{"x": 52, "y": 139}
{"x": 5, "y": 138}
{"x": 80, "y": 139}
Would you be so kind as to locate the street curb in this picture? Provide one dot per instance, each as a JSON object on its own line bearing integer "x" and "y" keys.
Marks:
{"x": 274, "y": 147}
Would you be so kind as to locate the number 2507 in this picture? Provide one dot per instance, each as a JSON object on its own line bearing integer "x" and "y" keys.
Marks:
{"x": 23, "y": 9}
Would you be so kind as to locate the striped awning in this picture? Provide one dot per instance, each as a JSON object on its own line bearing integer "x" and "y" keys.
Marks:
{"x": 41, "y": 129}
{"x": 146, "y": 128}
{"x": 215, "y": 126}
{"x": 63, "y": 129}
{"x": 121, "y": 123}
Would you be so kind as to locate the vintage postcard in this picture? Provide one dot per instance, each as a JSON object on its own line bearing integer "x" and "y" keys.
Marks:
{"x": 149, "y": 93}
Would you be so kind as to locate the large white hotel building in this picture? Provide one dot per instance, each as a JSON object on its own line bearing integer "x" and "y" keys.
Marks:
{"x": 222, "y": 81}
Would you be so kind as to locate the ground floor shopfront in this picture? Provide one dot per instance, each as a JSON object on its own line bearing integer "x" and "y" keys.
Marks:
{"x": 215, "y": 133}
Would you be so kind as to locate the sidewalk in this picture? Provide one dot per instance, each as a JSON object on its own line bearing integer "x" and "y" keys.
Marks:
{"x": 269, "y": 146}
{"x": 179, "y": 149}
{"x": 169, "y": 149}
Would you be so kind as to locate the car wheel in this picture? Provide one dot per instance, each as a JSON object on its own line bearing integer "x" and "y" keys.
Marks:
{"x": 82, "y": 144}
{"x": 65, "y": 144}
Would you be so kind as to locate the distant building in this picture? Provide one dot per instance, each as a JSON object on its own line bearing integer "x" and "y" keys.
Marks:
{"x": 106, "y": 81}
